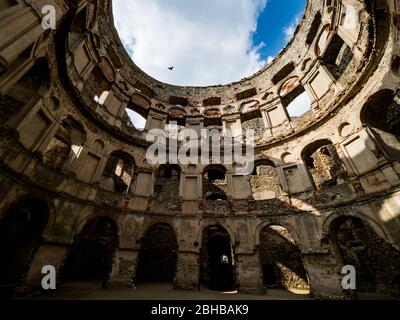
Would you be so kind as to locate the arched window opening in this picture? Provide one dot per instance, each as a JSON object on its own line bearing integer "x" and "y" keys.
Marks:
{"x": 158, "y": 255}
{"x": 98, "y": 85}
{"x": 376, "y": 261}
{"x": 217, "y": 260}
{"x": 281, "y": 260}
{"x": 381, "y": 114}
{"x": 167, "y": 182}
{"x": 136, "y": 119}
{"x": 264, "y": 181}
{"x": 215, "y": 184}
{"x": 119, "y": 172}
{"x": 21, "y": 229}
{"x": 323, "y": 164}
{"x": 91, "y": 255}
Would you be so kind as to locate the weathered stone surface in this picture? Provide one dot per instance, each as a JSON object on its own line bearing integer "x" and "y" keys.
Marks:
{"x": 69, "y": 157}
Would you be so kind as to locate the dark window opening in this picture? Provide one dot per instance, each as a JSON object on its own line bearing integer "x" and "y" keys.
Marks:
{"x": 212, "y": 122}
{"x": 283, "y": 73}
{"x": 246, "y": 94}
{"x": 169, "y": 172}
{"x": 312, "y": 33}
{"x": 179, "y": 101}
{"x": 215, "y": 183}
{"x": 337, "y": 56}
{"x": 215, "y": 174}
{"x": 177, "y": 122}
{"x": 213, "y": 101}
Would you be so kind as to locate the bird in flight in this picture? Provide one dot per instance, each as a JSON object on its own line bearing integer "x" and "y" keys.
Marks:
{"x": 171, "y": 68}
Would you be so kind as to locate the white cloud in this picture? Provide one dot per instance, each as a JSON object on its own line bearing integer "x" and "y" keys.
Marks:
{"x": 270, "y": 59}
{"x": 300, "y": 105}
{"x": 137, "y": 120}
{"x": 208, "y": 42}
{"x": 291, "y": 28}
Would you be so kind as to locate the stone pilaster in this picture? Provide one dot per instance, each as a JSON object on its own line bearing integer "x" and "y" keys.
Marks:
{"x": 249, "y": 273}
{"x": 187, "y": 271}
{"x": 47, "y": 255}
{"x": 324, "y": 277}
{"x": 123, "y": 270}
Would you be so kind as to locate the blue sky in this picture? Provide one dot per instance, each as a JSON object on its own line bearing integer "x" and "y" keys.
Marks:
{"x": 209, "y": 42}
{"x": 275, "y": 23}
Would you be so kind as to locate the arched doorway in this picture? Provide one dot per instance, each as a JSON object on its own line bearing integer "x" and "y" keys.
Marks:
{"x": 20, "y": 235}
{"x": 92, "y": 253}
{"x": 158, "y": 255}
{"x": 376, "y": 261}
{"x": 281, "y": 260}
{"x": 217, "y": 268}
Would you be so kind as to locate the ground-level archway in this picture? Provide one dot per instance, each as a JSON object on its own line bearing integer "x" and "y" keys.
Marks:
{"x": 20, "y": 235}
{"x": 376, "y": 261}
{"x": 158, "y": 255}
{"x": 281, "y": 260}
{"x": 217, "y": 261}
{"x": 91, "y": 255}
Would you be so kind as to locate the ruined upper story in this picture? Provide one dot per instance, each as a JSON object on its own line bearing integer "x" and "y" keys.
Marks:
{"x": 65, "y": 95}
